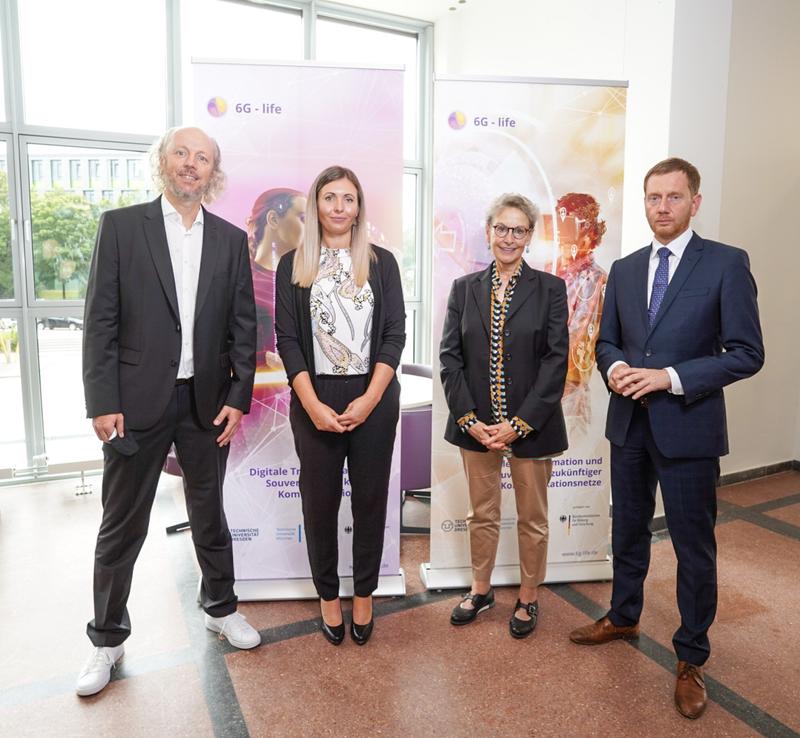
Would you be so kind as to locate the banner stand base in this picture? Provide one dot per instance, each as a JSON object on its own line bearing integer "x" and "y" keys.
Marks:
{"x": 461, "y": 577}
{"x": 249, "y": 590}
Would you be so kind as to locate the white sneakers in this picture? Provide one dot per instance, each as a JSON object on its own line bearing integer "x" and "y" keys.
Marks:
{"x": 236, "y": 629}
{"x": 97, "y": 672}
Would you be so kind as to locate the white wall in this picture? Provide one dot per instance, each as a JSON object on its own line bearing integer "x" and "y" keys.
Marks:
{"x": 698, "y": 105}
{"x": 760, "y": 211}
{"x": 715, "y": 82}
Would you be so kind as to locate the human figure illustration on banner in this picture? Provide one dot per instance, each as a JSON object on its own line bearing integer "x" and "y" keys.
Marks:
{"x": 580, "y": 232}
{"x": 274, "y": 227}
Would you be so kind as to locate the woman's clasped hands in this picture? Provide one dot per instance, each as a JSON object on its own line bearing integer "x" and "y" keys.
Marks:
{"x": 496, "y": 437}
{"x": 325, "y": 418}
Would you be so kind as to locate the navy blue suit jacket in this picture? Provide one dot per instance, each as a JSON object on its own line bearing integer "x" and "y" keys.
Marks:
{"x": 707, "y": 329}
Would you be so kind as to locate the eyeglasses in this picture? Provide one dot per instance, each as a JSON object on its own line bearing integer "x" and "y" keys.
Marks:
{"x": 501, "y": 229}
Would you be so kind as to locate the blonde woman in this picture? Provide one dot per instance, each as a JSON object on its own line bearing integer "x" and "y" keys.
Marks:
{"x": 340, "y": 325}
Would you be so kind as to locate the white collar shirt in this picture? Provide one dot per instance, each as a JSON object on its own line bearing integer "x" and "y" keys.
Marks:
{"x": 677, "y": 246}
{"x": 185, "y": 252}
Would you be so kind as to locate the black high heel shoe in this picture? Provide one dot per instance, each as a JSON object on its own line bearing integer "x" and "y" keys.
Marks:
{"x": 333, "y": 633}
{"x": 361, "y": 633}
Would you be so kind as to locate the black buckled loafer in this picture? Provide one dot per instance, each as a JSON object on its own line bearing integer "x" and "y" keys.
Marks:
{"x": 522, "y": 628}
{"x": 480, "y": 602}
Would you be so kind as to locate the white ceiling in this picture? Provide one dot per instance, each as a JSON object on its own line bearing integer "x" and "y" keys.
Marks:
{"x": 428, "y": 10}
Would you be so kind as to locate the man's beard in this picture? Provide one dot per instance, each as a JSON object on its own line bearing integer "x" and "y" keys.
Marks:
{"x": 185, "y": 195}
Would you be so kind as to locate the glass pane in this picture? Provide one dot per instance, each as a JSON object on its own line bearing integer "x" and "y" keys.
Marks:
{"x": 68, "y": 434}
{"x": 220, "y": 30}
{"x": 2, "y": 87}
{"x": 94, "y": 64}
{"x": 409, "y": 266}
{"x": 12, "y": 430}
{"x": 66, "y": 202}
{"x": 338, "y": 41}
{"x": 6, "y": 266}
{"x": 411, "y": 325}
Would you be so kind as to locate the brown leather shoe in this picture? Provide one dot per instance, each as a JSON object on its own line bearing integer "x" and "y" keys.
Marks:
{"x": 603, "y": 631}
{"x": 690, "y": 690}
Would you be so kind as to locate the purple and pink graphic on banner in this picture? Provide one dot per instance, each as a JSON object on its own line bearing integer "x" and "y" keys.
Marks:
{"x": 278, "y": 126}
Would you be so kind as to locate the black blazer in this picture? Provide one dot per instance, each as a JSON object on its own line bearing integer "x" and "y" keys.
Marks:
{"x": 536, "y": 344}
{"x": 707, "y": 329}
{"x": 132, "y": 327}
{"x": 293, "y": 316}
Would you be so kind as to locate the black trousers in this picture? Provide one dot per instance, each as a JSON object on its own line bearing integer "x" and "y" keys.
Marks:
{"x": 689, "y": 490}
{"x": 129, "y": 487}
{"x": 368, "y": 452}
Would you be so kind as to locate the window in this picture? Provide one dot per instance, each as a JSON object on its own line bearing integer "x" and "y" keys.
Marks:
{"x": 69, "y": 177}
{"x": 2, "y": 87}
{"x": 6, "y": 257}
{"x": 36, "y": 171}
{"x": 134, "y": 167}
{"x": 94, "y": 172}
{"x": 338, "y": 41}
{"x": 64, "y": 222}
{"x": 74, "y": 173}
{"x": 13, "y": 451}
{"x": 68, "y": 434}
{"x": 58, "y": 88}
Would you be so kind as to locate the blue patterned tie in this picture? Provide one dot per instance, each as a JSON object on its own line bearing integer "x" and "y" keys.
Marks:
{"x": 660, "y": 283}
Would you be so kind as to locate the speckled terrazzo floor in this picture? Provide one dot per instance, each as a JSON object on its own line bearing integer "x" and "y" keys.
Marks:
{"x": 418, "y": 676}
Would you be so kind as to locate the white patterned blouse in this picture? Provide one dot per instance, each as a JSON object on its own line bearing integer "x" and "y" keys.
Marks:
{"x": 341, "y": 316}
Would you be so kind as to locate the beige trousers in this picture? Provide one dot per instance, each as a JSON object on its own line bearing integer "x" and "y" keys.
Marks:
{"x": 530, "y": 478}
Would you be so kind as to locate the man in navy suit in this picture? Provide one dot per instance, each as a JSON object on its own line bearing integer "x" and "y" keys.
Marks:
{"x": 680, "y": 322}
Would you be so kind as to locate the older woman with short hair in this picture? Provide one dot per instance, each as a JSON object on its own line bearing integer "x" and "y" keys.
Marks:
{"x": 503, "y": 358}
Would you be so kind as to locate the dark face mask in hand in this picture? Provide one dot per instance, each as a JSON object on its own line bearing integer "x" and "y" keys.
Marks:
{"x": 126, "y": 446}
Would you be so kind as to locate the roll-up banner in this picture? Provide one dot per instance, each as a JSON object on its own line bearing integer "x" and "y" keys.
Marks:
{"x": 560, "y": 143}
{"x": 278, "y": 126}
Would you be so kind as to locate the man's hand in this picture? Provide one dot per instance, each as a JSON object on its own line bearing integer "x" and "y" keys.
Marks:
{"x": 107, "y": 426}
{"x": 357, "y": 412}
{"x": 232, "y": 416}
{"x": 503, "y": 434}
{"x": 635, "y": 382}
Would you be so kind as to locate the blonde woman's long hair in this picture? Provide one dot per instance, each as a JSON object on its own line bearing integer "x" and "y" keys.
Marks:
{"x": 306, "y": 260}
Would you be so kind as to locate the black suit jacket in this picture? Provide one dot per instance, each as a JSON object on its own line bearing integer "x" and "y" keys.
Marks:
{"x": 132, "y": 327}
{"x": 707, "y": 329}
{"x": 293, "y": 330}
{"x": 536, "y": 344}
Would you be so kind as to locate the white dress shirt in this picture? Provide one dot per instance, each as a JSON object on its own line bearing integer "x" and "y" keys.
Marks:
{"x": 185, "y": 250}
{"x": 677, "y": 246}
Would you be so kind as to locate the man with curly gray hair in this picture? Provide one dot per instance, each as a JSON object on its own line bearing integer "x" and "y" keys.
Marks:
{"x": 168, "y": 358}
